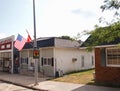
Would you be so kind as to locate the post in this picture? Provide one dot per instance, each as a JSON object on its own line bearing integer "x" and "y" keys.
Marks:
{"x": 35, "y": 45}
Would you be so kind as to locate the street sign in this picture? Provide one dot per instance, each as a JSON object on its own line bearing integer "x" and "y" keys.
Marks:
{"x": 35, "y": 53}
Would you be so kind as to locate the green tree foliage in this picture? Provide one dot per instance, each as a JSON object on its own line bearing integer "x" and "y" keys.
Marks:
{"x": 103, "y": 35}
{"x": 66, "y": 37}
{"x": 111, "y": 4}
{"x": 76, "y": 38}
{"x": 109, "y": 33}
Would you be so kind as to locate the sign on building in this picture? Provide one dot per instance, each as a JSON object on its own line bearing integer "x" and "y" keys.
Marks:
{"x": 36, "y": 53}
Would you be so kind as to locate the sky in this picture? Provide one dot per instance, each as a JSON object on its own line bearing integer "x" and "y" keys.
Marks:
{"x": 54, "y": 18}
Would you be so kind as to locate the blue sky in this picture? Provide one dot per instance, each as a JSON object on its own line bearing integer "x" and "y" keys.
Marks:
{"x": 53, "y": 17}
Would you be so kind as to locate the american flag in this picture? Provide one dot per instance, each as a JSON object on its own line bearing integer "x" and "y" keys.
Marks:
{"x": 20, "y": 42}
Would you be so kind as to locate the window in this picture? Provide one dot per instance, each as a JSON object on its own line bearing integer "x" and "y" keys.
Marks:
{"x": 82, "y": 61}
{"x": 113, "y": 56}
{"x": 47, "y": 61}
{"x": 92, "y": 58}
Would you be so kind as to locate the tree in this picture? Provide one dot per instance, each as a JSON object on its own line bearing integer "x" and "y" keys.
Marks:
{"x": 76, "y": 38}
{"x": 102, "y": 35}
{"x": 109, "y": 33}
{"x": 111, "y": 5}
{"x": 66, "y": 37}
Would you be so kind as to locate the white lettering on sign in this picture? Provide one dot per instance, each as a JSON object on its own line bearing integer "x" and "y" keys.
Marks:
{"x": 8, "y": 46}
{"x": 3, "y": 47}
{"x": 7, "y": 43}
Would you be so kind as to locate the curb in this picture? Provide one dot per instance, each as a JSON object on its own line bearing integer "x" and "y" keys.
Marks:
{"x": 18, "y": 84}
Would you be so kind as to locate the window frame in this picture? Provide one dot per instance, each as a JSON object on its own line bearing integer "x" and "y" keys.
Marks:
{"x": 111, "y": 65}
{"x": 48, "y": 61}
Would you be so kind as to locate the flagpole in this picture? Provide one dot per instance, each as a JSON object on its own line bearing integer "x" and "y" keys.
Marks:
{"x": 35, "y": 45}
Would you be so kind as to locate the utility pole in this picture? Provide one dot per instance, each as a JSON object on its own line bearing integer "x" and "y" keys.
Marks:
{"x": 35, "y": 46}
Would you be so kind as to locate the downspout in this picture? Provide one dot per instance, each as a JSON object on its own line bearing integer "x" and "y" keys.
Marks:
{"x": 54, "y": 61}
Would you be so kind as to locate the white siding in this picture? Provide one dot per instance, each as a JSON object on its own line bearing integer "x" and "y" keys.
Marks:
{"x": 64, "y": 59}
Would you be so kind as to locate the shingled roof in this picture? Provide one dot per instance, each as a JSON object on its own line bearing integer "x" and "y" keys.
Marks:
{"x": 53, "y": 42}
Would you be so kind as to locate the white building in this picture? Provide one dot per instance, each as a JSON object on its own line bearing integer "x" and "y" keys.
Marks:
{"x": 57, "y": 55}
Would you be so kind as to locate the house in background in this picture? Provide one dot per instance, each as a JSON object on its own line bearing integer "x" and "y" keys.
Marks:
{"x": 56, "y": 55}
{"x": 107, "y": 62}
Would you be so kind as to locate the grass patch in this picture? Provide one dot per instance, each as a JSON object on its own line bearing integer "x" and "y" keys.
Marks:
{"x": 81, "y": 77}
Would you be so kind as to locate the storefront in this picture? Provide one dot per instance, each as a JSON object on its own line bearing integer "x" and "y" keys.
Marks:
{"x": 6, "y": 54}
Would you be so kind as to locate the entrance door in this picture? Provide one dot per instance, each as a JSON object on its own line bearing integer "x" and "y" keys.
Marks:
{"x": 1, "y": 64}
{"x": 5, "y": 61}
{"x": 6, "y": 65}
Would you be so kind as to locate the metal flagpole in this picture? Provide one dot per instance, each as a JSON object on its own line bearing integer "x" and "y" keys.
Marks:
{"x": 35, "y": 45}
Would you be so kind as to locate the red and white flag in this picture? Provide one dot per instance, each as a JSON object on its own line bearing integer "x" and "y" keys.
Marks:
{"x": 20, "y": 42}
{"x": 29, "y": 39}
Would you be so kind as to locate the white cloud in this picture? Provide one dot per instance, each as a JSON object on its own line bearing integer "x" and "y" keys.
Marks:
{"x": 56, "y": 17}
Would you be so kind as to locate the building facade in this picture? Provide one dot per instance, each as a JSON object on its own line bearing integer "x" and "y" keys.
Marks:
{"x": 56, "y": 55}
{"x": 107, "y": 65}
{"x": 7, "y": 54}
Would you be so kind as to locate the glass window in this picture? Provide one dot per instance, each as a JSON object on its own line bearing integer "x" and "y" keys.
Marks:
{"x": 113, "y": 56}
{"x": 45, "y": 61}
{"x": 48, "y": 61}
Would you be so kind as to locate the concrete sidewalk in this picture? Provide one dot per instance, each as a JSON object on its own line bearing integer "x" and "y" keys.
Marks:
{"x": 43, "y": 84}
{"x": 21, "y": 79}
{"x": 61, "y": 86}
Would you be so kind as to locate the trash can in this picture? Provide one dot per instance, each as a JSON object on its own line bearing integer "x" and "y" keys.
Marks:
{"x": 56, "y": 74}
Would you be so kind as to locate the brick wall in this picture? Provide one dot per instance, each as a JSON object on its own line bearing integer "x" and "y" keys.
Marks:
{"x": 103, "y": 73}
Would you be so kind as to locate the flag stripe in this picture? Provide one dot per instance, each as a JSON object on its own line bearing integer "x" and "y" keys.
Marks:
{"x": 20, "y": 42}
